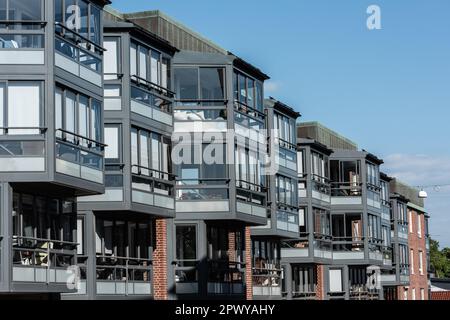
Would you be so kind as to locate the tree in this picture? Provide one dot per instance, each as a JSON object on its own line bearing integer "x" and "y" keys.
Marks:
{"x": 439, "y": 260}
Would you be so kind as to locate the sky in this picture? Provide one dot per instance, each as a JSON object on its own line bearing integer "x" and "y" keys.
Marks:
{"x": 388, "y": 90}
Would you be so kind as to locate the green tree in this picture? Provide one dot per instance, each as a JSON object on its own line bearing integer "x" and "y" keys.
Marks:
{"x": 439, "y": 260}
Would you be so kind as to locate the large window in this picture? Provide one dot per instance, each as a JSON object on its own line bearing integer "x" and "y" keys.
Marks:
{"x": 130, "y": 239}
{"x": 150, "y": 153}
{"x": 209, "y": 171}
{"x": 284, "y": 128}
{"x": 345, "y": 177}
{"x": 112, "y": 58}
{"x": 319, "y": 166}
{"x": 248, "y": 91}
{"x": 373, "y": 174}
{"x": 149, "y": 65}
{"x": 77, "y": 116}
{"x": 80, "y": 16}
{"x": 23, "y": 27}
{"x": 322, "y": 222}
{"x": 186, "y": 244}
{"x": 113, "y": 152}
{"x": 249, "y": 168}
{"x": 285, "y": 189}
{"x": 20, "y": 107}
{"x": 206, "y": 84}
{"x": 402, "y": 213}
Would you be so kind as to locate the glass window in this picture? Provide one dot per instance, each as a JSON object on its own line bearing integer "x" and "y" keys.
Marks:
{"x": 70, "y": 111}
{"x": 111, "y": 56}
{"x": 80, "y": 236}
{"x": 112, "y": 141}
{"x": 83, "y": 117}
{"x": 58, "y": 11}
{"x": 165, "y": 73}
{"x": 2, "y": 10}
{"x": 95, "y": 24}
{"x": 84, "y": 13}
{"x": 96, "y": 120}
{"x": 25, "y": 10}
{"x": 212, "y": 83}
{"x": 17, "y": 41}
{"x": 143, "y": 53}
{"x": 24, "y": 106}
{"x": 186, "y": 83}
{"x": 155, "y": 66}
{"x": 186, "y": 243}
{"x": 259, "y": 96}
{"x": 133, "y": 59}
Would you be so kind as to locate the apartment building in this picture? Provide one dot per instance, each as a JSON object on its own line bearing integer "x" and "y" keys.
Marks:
{"x": 283, "y": 219}
{"x": 354, "y": 243}
{"x": 415, "y": 243}
{"x": 141, "y": 161}
{"x": 51, "y": 97}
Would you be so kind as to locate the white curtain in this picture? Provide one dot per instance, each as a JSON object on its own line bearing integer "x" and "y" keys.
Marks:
{"x": 24, "y": 106}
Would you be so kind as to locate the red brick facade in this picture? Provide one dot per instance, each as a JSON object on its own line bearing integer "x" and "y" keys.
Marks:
{"x": 248, "y": 265}
{"x": 320, "y": 290}
{"x": 418, "y": 279}
{"x": 160, "y": 262}
{"x": 441, "y": 295}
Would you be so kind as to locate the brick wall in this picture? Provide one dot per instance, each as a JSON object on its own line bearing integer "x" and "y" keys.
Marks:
{"x": 440, "y": 295}
{"x": 320, "y": 290}
{"x": 248, "y": 265}
{"x": 417, "y": 243}
{"x": 160, "y": 261}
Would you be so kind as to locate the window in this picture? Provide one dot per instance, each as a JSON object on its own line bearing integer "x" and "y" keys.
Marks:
{"x": 405, "y": 294}
{"x": 413, "y": 294}
{"x": 186, "y": 243}
{"x": 21, "y": 102}
{"x": 302, "y": 221}
{"x": 319, "y": 166}
{"x": 149, "y": 65}
{"x": 111, "y": 58}
{"x": 248, "y": 91}
{"x": 80, "y": 236}
{"x": 300, "y": 163}
{"x": 322, "y": 222}
{"x": 421, "y": 263}
{"x": 284, "y": 129}
{"x": 206, "y": 84}
{"x": 374, "y": 227}
{"x": 249, "y": 168}
{"x": 112, "y": 140}
{"x": 285, "y": 189}
{"x": 410, "y": 220}
{"x": 401, "y": 214}
{"x": 422, "y": 294}
{"x": 76, "y": 113}
{"x": 150, "y": 153}
{"x": 335, "y": 280}
{"x": 411, "y": 260}
{"x": 373, "y": 174}
{"x": 75, "y": 16}
{"x": 419, "y": 225}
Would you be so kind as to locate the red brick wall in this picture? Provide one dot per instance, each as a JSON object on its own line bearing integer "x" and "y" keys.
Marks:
{"x": 320, "y": 290}
{"x": 160, "y": 261}
{"x": 417, "y": 281}
{"x": 248, "y": 265}
{"x": 441, "y": 295}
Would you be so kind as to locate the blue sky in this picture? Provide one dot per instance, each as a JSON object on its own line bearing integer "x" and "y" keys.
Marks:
{"x": 388, "y": 90}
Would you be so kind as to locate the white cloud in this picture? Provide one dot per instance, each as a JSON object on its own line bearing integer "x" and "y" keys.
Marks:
{"x": 425, "y": 170}
{"x": 271, "y": 86}
{"x": 418, "y": 169}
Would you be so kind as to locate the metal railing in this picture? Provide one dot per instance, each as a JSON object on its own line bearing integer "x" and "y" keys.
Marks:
{"x": 346, "y": 189}
{"x": 77, "y": 37}
{"x": 268, "y": 279}
{"x": 202, "y": 189}
{"x": 250, "y": 111}
{"x": 5, "y": 130}
{"x": 227, "y": 274}
{"x": 43, "y": 253}
{"x": 78, "y": 139}
{"x": 152, "y": 86}
{"x": 349, "y": 244}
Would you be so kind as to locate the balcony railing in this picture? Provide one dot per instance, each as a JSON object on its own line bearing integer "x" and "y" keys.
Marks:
{"x": 346, "y": 189}
{"x": 152, "y": 86}
{"x": 203, "y": 195}
{"x": 123, "y": 276}
{"x": 39, "y": 260}
{"x": 226, "y": 277}
{"x": 267, "y": 280}
{"x": 79, "y": 156}
{"x": 361, "y": 292}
